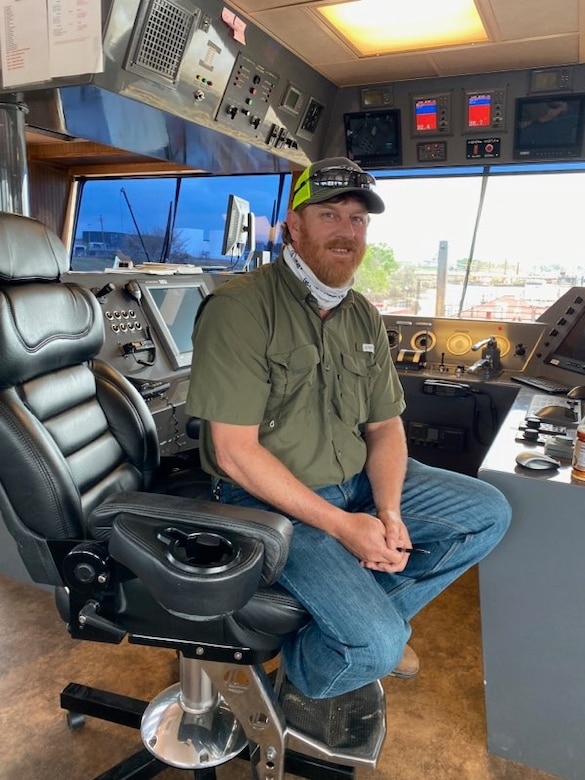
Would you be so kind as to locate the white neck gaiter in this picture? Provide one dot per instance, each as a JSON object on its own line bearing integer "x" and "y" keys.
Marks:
{"x": 327, "y": 297}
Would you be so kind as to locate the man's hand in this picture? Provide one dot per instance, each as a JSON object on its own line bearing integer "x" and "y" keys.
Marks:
{"x": 374, "y": 540}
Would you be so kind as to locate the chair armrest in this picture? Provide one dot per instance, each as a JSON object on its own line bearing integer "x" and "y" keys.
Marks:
{"x": 169, "y": 542}
{"x": 272, "y": 529}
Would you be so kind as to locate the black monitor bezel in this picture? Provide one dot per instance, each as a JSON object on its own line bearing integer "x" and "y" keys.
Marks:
{"x": 548, "y": 151}
{"x": 378, "y": 159}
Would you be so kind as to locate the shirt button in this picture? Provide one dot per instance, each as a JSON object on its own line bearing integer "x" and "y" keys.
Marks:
{"x": 327, "y": 368}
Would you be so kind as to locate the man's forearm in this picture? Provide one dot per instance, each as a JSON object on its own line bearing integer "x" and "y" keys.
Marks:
{"x": 386, "y": 462}
{"x": 260, "y": 473}
{"x": 256, "y": 470}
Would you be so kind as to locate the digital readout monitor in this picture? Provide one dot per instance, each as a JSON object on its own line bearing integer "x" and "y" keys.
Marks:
{"x": 479, "y": 110}
{"x": 425, "y": 115}
{"x": 171, "y": 307}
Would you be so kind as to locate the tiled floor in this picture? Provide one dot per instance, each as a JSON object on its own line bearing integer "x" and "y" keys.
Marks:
{"x": 436, "y": 722}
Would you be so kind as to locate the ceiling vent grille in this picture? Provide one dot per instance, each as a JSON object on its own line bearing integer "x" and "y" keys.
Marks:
{"x": 160, "y": 38}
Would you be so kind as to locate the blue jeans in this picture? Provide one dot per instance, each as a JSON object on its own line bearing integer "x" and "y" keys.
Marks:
{"x": 361, "y": 617}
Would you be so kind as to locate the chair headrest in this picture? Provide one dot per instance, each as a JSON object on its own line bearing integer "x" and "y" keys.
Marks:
{"x": 29, "y": 251}
{"x": 45, "y": 325}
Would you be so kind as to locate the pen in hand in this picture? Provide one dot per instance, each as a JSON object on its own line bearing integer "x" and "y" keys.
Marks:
{"x": 414, "y": 550}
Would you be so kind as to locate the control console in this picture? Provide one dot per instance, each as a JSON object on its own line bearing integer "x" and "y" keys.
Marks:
{"x": 148, "y": 323}
{"x": 454, "y": 347}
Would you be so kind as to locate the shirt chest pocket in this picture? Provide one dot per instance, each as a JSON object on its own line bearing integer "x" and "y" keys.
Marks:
{"x": 357, "y": 376}
{"x": 292, "y": 376}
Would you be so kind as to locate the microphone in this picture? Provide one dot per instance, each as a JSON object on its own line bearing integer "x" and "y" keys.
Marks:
{"x": 133, "y": 289}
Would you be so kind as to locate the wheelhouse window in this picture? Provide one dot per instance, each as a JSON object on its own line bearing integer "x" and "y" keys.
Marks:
{"x": 495, "y": 243}
{"x": 172, "y": 219}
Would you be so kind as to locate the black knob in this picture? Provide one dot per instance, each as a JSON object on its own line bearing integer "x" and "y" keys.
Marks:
{"x": 85, "y": 573}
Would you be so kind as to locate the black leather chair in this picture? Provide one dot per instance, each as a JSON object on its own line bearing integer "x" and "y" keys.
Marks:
{"x": 134, "y": 553}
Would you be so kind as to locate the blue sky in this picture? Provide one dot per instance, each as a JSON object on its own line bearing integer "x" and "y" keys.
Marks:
{"x": 202, "y": 203}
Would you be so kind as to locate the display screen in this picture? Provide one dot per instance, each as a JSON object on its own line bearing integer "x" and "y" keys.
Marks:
{"x": 425, "y": 115}
{"x": 373, "y": 138}
{"x": 549, "y": 127}
{"x": 479, "y": 110}
{"x": 292, "y": 100}
{"x": 570, "y": 353}
{"x": 172, "y": 308}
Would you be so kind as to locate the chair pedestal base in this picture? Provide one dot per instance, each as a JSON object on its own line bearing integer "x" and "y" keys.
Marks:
{"x": 189, "y": 740}
{"x": 114, "y": 708}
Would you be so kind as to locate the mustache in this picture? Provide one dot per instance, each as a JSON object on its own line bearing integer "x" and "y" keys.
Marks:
{"x": 342, "y": 244}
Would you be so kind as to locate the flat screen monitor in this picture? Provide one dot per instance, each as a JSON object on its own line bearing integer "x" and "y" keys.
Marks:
{"x": 570, "y": 352}
{"x": 170, "y": 307}
{"x": 549, "y": 127}
{"x": 236, "y": 234}
{"x": 373, "y": 138}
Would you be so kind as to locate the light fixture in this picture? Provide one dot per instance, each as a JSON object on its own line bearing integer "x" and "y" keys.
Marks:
{"x": 374, "y": 27}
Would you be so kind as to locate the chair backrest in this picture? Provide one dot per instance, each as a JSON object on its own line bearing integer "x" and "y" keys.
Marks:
{"x": 72, "y": 430}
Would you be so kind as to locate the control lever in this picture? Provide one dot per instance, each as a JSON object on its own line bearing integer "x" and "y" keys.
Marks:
{"x": 105, "y": 290}
{"x": 132, "y": 347}
{"x": 577, "y": 393}
{"x": 576, "y": 398}
{"x": 135, "y": 348}
{"x": 491, "y": 342}
{"x": 490, "y": 357}
{"x": 89, "y": 616}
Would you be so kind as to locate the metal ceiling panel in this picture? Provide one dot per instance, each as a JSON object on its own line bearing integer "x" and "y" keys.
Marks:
{"x": 522, "y": 19}
{"x": 515, "y": 55}
{"x": 302, "y": 32}
{"x": 525, "y": 34}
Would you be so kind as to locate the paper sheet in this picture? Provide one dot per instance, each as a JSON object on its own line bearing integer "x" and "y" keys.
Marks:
{"x": 75, "y": 37}
{"x": 24, "y": 46}
{"x": 48, "y": 39}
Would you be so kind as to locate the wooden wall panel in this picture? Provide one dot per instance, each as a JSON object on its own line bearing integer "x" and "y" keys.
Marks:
{"x": 49, "y": 195}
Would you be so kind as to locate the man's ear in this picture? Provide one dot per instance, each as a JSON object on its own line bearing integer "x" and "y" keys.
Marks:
{"x": 292, "y": 222}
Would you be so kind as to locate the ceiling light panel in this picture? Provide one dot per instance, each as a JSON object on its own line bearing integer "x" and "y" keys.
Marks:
{"x": 375, "y": 27}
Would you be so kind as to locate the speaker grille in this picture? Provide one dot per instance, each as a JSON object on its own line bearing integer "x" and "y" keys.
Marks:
{"x": 162, "y": 33}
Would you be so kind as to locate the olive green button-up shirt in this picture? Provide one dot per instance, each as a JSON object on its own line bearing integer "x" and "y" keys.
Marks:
{"x": 263, "y": 356}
